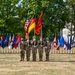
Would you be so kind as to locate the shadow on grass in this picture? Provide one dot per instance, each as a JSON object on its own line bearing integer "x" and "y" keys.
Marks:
{"x": 63, "y": 61}
{"x": 51, "y": 61}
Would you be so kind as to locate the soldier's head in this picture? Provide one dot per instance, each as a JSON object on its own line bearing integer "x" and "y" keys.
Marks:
{"x": 34, "y": 38}
{"x": 31, "y": 41}
{"x": 47, "y": 39}
{"x": 28, "y": 40}
{"x": 22, "y": 40}
{"x": 25, "y": 43}
{"x": 41, "y": 39}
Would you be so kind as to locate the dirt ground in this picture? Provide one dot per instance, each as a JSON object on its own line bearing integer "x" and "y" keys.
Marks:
{"x": 59, "y": 64}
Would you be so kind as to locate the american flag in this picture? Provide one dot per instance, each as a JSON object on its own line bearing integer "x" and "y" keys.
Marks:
{"x": 58, "y": 46}
{"x": 27, "y": 36}
{"x": 65, "y": 46}
{"x": 54, "y": 41}
{"x": 26, "y": 24}
{"x": 52, "y": 46}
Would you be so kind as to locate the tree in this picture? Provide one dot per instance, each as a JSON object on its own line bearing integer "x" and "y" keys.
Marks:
{"x": 71, "y": 4}
{"x": 14, "y": 15}
{"x": 55, "y": 14}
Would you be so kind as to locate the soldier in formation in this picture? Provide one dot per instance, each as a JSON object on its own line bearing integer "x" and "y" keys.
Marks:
{"x": 32, "y": 45}
{"x": 22, "y": 47}
{"x": 34, "y": 48}
{"x": 47, "y": 48}
{"x": 28, "y": 48}
{"x": 40, "y": 48}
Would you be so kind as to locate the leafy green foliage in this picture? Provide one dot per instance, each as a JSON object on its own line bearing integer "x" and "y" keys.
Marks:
{"x": 14, "y": 14}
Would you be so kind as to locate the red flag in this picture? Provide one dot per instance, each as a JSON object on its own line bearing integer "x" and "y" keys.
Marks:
{"x": 26, "y": 25}
{"x": 58, "y": 46}
{"x": 65, "y": 46}
{"x": 54, "y": 41}
{"x": 16, "y": 45}
{"x": 39, "y": 24}
{"x": 2, "y": 37}
{"x": 27, "y": 36}
{"x": 51, "y": 46}
{"x": 18, "y": 38}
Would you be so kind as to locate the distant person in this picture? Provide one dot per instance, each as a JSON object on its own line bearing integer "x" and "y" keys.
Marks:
{"x": 28, "y": 48}
{"x": 34, "y": 48}
{"x": 47, "y": 48}
{"x": 40, "y": 49}
{"x": 22, "y": 52}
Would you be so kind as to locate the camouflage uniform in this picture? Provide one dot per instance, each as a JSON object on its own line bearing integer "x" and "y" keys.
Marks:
{"x": 40, "y": 48}
{"x": 22, "y": 52}
{"x": 47, "y": 49}
{"x": 28, "y": 50}
{"x": 34, "y": 49}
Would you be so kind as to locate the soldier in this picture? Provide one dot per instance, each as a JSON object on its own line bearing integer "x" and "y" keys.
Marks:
{"x": 34, "y": 49}
{"x": 28, "y": 50}
{"x": 40, "y": 48}
{"x": 47, "y": 48}
{"x": 22, "y": 47}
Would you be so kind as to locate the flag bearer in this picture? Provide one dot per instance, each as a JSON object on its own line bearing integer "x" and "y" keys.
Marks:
{"x": 34, "y": 48}
{"x": 40, "y": 48}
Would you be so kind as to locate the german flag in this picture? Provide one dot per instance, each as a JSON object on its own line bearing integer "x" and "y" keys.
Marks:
{"x": 32, "y": 25}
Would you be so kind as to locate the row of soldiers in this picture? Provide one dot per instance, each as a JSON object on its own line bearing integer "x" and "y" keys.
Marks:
{"x": 28, "y": 45}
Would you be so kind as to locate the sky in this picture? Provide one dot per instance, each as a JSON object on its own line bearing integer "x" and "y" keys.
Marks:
{"x": 20, "y": 1}
{"x": 64, "y": 0}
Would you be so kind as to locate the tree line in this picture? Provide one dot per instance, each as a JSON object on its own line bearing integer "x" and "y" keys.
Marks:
{"x": 13, "y": 15}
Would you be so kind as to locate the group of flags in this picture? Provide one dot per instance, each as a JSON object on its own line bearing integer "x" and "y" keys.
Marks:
{"x": 60, "y": 42}
{"x": 30, "y": 25}
{"x": 56, "y": 43}
{"x": 11, "y": 42}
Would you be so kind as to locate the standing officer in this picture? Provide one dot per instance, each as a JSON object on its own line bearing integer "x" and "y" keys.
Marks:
{"x": 28, "y": 50}
{"x": 22, "y": 52}
{"x": 40, "y": 48}
{"x": 47, "y": 48}
{"x": 34, "y": 49}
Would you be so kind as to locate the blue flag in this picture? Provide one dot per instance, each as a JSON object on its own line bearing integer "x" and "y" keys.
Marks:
{"x": 6, "y": 39}
{"x": 3, "y": 44}
{"x": 15, "y": 39}
{"x": 12, "y": 45}
{"x": 0, "y": 42}
{"x": 68, "y": 46}
{"x": 61, "y": 40}
{"x": 69, "y": 43}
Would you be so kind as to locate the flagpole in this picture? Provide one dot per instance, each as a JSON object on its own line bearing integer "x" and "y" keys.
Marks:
{"x": 34, "y": 37}
{"x": 41, "y": 35}
{"x": 34, "y": 31}
{"x": 41, "y": 27}
{"x": 25, "y": 31}
{"x": 41, "y": 31}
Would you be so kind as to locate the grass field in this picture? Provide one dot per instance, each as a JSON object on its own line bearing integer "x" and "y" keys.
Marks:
{"x": 59, "y": 64}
